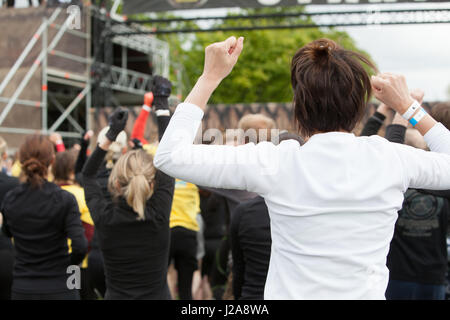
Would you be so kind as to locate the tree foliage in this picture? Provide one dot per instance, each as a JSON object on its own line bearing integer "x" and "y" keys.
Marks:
{"x": 262, "y": 73}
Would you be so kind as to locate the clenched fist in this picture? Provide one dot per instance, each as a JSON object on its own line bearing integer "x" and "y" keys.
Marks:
{"x": 220, "y": 58}
{"x": 392, "y": 90}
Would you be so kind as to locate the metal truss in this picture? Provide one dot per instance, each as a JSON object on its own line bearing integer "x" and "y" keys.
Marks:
{"x": 371, "y": 16}
{"x": 121, "y": 79}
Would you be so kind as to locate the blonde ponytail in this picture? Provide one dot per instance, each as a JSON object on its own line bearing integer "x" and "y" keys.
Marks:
{"x": 131, "y": 178}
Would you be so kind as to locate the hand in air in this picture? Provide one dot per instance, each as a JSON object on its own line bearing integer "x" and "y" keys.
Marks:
{"x": 117, "y": 123}
{"x": 220, "y": 58}
{"x": 392, "y": 90}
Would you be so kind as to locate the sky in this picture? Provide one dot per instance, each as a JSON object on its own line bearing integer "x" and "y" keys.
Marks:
{"x": 420, "y": 52}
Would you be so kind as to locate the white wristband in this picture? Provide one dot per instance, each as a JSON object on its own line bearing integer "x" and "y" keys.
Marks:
{"x": 419, "y": 116}
{"x": 411, "y": 110}
{"x": 146, "y": 108}
{"x": 162, "y": 112}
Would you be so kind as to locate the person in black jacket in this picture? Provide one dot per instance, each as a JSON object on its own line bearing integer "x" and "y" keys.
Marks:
{"x": 40, "y": 217}
{"x": 417, "y": 258}
{"x": 133, "y": 225}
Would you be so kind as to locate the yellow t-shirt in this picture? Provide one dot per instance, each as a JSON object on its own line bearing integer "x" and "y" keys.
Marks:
{"x": 78, "y": 192}
{"x": 16, "y": 169}
{"x": 185, "y": 206}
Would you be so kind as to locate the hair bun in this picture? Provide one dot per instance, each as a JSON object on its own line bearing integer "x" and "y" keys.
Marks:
{"x": 33, "y": 167}
{"x": 322, "y": 49}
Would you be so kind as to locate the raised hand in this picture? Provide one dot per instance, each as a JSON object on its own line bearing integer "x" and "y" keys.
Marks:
{"x": 117, "y": 123}
{"x": 418, "y": 94}
{"x": 88, "y": 135}
{"x": 220, "y": 58}
{"x": 162, "y": 88}
{"x": 392, "y": 90}
{"x": 148, "y": 99}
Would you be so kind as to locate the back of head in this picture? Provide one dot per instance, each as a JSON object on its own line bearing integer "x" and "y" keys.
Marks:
{"x": 36, "y": 154}
{"x": 132, "y": 178}
{"x": 441, "y": 113}
{"x": 256, "y": 127}
{"x": 63, "y": 168}
{"x": 331, "y": 87}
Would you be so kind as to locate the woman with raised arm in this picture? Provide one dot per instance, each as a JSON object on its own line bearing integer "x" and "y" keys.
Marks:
{"x": 332, "y": 202}
{"x": 132, "y": 227}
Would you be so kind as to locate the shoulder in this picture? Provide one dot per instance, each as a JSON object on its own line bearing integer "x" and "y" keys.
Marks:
{"x": 59, "y": 194}
{"x": 11, "y": 194}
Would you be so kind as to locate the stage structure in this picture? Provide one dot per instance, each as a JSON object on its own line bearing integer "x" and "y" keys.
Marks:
{"x": 59, "y": 64}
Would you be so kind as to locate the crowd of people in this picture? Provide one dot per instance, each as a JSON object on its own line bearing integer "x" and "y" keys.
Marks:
{"x": 316, "y": 214}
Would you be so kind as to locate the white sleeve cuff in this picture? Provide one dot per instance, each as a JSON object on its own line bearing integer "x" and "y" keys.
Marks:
{"x": 190, "y": 111}
{"x": 146, "y": 108}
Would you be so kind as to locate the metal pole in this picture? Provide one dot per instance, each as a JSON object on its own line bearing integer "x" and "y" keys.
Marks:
{"x": 88, "y": 99}
{"x": 44, "y": 89}
{"x": 33, "y": 68}
{"x": 27, "y": 50}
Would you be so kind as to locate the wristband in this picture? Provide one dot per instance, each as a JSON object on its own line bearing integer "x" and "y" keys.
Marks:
{"x": 411, "y": 110}
{"x": 419, "y": 116}
{"x": 146, "y": 107}
{"x": 162, "y": 112}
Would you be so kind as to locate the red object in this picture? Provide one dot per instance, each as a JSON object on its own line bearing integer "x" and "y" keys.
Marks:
{"x": 148, "y": 99}
{"x": 60, "y": 147}
{"x": 139, "y": 126}
{"x": 44, "y": 87}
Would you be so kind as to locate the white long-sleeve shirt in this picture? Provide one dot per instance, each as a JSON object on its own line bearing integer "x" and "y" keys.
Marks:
{"x": 332, "y": 202}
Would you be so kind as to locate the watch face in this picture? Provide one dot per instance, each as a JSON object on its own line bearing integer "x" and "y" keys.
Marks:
{"x": 187, "y": 4}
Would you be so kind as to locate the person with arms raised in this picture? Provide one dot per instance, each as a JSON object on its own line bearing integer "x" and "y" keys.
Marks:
{"x": 332, "y": 202}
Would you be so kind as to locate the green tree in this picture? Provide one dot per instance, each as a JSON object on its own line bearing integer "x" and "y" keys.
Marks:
{"x": 263, "y": 71}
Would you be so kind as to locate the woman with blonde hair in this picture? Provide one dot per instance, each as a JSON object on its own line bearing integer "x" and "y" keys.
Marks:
{"x": 133, "y": 225}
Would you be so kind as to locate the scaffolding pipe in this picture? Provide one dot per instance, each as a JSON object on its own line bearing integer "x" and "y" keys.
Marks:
{"x": 69, "y": 109}
{"x": 33, "y": 68}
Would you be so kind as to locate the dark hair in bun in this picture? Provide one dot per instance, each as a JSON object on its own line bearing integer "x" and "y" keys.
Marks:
{"x": 331, "y": 87}
{"x": 36, "y": 154}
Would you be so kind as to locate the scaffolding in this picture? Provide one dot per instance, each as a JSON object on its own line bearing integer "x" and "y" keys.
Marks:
{"x": 68, "y": 92}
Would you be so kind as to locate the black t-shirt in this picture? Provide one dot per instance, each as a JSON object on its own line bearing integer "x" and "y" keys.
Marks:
{"x": 418, "y": 251}
{"x": 41, "y": 220}
{"x": 7, "y": 183}
{"x": 250, "y": 245}
{"x": 213, "y": 209}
